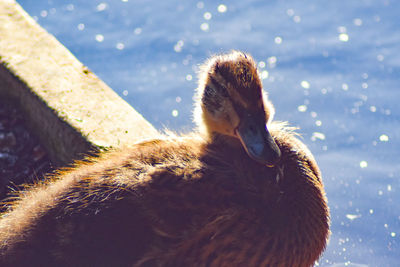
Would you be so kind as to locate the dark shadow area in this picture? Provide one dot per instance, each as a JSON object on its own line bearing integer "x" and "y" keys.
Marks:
{"x": 22, "y": 158}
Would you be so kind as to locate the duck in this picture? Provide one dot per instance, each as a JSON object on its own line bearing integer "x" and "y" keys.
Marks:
{"x": 240, "y": 190}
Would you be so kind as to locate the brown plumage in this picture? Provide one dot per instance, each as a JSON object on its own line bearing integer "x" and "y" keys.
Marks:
{"x": 240, "y": 191}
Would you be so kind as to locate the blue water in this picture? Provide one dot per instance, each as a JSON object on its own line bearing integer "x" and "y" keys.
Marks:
{"x": 331, "y": 68}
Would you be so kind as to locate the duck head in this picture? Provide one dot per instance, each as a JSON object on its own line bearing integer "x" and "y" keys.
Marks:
{"x": 230, "y": 101}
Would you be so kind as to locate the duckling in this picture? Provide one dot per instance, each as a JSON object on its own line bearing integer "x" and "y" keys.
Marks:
{"x": 241, "y": 190}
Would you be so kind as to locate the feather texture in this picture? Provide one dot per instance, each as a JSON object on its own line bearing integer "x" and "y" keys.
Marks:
{"x": 180, "y": 200}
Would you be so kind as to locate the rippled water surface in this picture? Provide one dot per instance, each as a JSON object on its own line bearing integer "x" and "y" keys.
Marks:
{"x": 331, "y": 68}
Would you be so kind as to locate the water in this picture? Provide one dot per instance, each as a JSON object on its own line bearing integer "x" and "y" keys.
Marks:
{"x": 331, "y": 67}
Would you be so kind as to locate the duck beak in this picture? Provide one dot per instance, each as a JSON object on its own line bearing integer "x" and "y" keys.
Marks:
{"x": 258, "y": 142}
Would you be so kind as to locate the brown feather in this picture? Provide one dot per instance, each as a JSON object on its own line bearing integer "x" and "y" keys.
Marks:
{"x": 190, "y": 200}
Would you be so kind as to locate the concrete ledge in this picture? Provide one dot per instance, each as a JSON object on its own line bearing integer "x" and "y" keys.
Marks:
{"x": 69, "y": 109}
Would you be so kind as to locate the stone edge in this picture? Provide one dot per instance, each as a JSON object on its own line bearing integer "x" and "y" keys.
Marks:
{"x": 67, "y": 107}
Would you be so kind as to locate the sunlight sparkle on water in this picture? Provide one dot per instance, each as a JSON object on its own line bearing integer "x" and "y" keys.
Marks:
{"x": 207, "y": 16}
{"x": 290, "y": 12}
{"x": 43, "y": 13}
{"x": 352, "y": 217}
{"x": 343, "y": 37}
{"x": 341, "y": 29}
{"x": 81, "y": 26}
{"x": 120, "y": 46}
{"x": 357, "y": 22}
{"x": 278, "y": 40}
{"x": 305, "y": 84}
{"x": 271, "y": 62}
{"x": 70, "y": 7}
{"x": 222, "y": 8}
{"x": 137, "y": 31}
{"x": 297, "y": 19}
{"x": 204, "y": 27}
{"x": 99, "y": 38}
{"x": 342, "y": 34}
{"x": 264, "y": 74}
{"x": 101, "y": 7}
{"x": 175, "y": 113}
{"x": 363, "y": 164}
{"x": 384, "y": 138}
{"x": 380, "y": 57}
{"x": 302, "y": 108}
{"x": 317, "y": 135}
{"x": 178, "y": 46}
